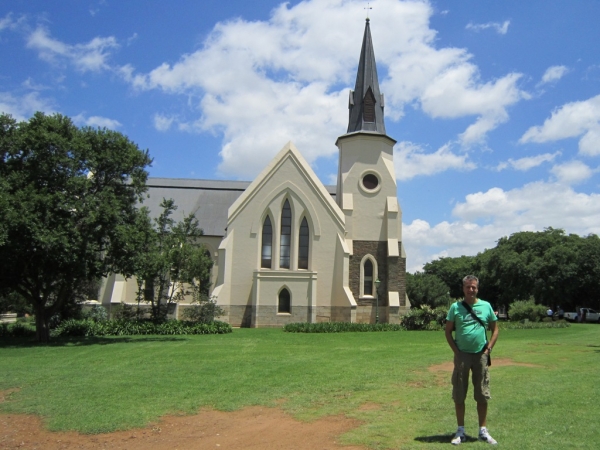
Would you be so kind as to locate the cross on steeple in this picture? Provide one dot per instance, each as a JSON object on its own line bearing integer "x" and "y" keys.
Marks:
{"x": 368, "y": 8}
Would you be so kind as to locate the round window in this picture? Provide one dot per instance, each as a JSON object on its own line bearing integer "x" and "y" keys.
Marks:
{"x": 370, "y": 181}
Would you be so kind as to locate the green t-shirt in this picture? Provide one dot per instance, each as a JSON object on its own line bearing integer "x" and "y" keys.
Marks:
{"x": 468, "y": 333}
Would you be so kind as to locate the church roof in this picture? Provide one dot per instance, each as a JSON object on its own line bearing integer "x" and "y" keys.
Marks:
{"x": 209, "y": 200}
{"x": 366, "y": 102}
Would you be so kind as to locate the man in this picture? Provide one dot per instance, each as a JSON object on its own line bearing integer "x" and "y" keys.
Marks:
{"x": 471, "y": 354}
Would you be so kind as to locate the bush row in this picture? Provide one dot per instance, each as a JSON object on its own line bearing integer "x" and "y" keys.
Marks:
{"x": 532, "y": 325}
{"x": 121, "y": 327}
{"x": 338, "y": 327}
{"x": 16, "y": 330}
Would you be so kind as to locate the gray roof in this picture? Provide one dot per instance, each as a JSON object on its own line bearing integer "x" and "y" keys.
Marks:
{"x": 366, "y": 92}
{"x": 209, "y": 200}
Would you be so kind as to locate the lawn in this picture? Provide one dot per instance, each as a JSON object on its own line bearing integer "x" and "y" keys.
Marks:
{"x": 98, "y": 385}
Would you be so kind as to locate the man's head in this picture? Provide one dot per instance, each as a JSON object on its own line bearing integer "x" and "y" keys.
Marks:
{"x": 470, "y": 287}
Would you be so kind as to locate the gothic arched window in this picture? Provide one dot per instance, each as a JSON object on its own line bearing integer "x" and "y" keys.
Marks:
{"x": 267, "y": 245}
{"x": 284, "y": 303}
{"x": 303, "y": 245}
{"x": 368, "y": 277}
{"x": 286, "y": 236}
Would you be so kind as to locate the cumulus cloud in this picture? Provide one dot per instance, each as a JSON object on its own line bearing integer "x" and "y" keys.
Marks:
{"x": 410, "y": 160}
{"x": 575, "y": 119}
{"x": 92, "y": 56}
{"x": 554, "y": 73}
{"x": 263, "y": 83}
{"x": 96, "y": 122}
{"x": 483, "y": 217}
{"x": 22, "y": 107}
{"x": 529, "y": 162}
{"x": 572, "y": 172}
{"x": 501, "y": 28}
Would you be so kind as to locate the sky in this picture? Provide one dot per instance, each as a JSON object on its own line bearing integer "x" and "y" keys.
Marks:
{"x": 495, "y": 106}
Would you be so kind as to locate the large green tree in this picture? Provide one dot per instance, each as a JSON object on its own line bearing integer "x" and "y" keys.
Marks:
{"x": 69, "y": 197}
{"x": 451, "y": 271}
{"x": 426, "y": 289}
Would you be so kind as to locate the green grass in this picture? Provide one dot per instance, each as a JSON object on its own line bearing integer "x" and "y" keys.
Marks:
{"x": 103, "y": 384}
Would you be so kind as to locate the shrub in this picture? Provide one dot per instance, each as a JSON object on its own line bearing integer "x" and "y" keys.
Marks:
{"x": 97, "y": 313}
{"x": 339, "y": 327}
{"x": 204, "y": 310}
{"x": 425, "y": 318}
{"x": 89, "y": 328}
{"x": 526, "y": 309}
{"x": 16, "y": 330}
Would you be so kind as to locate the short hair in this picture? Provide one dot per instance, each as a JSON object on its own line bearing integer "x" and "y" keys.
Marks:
{"x": 471, "y": 278}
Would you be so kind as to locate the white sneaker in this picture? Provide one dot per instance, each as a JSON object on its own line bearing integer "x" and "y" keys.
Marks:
{"x": 485, "y": 437}
{"x": 458, "y": 439}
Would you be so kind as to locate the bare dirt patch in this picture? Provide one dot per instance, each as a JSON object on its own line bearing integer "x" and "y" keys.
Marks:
{"x": 255, "y": 428}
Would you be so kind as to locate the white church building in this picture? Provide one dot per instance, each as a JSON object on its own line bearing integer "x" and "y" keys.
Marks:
{"x": 287, "y": 248}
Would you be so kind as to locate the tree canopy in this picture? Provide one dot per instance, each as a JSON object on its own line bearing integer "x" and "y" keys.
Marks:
{"x": 68, "y": 199}
{"x": 551, "y": 267}
{"x": 170, "y": 264}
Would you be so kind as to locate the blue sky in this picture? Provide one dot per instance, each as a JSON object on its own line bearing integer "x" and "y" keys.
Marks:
{"x": 495, "y": 105}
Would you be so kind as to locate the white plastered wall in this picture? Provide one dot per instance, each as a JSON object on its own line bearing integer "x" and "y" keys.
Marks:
{"x": 288, "y": 177}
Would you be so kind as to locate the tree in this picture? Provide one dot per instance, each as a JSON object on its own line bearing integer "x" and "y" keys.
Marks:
{"x": 426, "y": 289}
{"x": 171, "y": 264}
{"x": 451, "y": 271}
{"x": 70, "y": 195}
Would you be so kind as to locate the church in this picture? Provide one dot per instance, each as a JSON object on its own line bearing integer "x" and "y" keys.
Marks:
{"x": 287, "y": 248}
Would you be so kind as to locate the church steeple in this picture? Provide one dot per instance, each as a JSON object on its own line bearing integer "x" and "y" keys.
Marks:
{"x": 366, "y": 102}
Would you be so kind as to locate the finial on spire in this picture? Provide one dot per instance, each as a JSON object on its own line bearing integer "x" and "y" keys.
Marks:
{"x": 368, "y": 8}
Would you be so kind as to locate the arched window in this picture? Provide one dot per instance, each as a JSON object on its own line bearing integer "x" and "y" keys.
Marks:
{"x": 303, "y": 245}
{"x": 286, "y": 236}
{"x": 267, "y": 244}
{"x": 284, "y": 304}
{"x": 368, "y": 277}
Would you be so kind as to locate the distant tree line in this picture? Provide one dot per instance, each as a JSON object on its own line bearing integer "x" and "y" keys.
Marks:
{"x": 551, "y": 267}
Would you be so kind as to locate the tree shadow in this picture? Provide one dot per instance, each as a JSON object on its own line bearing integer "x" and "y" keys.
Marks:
{"x": 443, "y": 438}
{"x": 83, "y": 341}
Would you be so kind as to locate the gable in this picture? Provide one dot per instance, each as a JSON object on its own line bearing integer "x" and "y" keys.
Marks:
{"x": 288, "y": 171}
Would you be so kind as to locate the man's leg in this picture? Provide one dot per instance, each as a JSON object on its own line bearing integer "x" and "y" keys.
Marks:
{"x": 460, "y": 413}
{"x": 481, "y": 412}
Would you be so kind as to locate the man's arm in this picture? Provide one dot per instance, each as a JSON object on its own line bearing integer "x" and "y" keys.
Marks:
{"x": 494, "y": 329}
{"x": 449, "y": 330}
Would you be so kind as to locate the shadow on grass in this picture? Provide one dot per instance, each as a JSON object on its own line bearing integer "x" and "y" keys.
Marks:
{"x": 443, "y": 438}
{"x": 81, "y": 341}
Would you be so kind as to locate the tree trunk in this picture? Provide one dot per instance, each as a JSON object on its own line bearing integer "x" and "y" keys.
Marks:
{"x": 42, "y": 333}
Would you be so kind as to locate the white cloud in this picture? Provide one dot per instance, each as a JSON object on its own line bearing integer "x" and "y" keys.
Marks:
{"x": 92, "y": 56}
{"x": 96, "y": 122}
{"x": 572, "y": 172}
{"x": 24, "y": 106}
{"x": 162, "y": 123}
{"x": 554, "y": 73}
{"x": 484, "y": 217}
{"x": 410, "y": 160}
{"x": 529, "y": 162}
{"x": 9, "y": 23}
{"x": 571, "y": 120}
{"x": 501, "y": 28}
{"x": 263, "y": 83}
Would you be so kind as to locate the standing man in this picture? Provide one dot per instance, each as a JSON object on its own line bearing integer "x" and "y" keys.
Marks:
{"x": 468, "y": 320}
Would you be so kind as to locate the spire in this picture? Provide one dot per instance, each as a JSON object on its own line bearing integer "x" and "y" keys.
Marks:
{"x": 366, "y": 102}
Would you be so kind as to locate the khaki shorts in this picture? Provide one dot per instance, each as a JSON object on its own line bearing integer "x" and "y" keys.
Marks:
{"x": 471, "y": 362}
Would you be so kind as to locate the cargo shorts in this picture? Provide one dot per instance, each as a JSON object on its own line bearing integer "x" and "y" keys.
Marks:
{"x": 477, "y": 363}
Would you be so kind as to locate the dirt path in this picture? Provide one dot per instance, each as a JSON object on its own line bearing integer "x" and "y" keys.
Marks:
{"x": 256, "y": 428}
